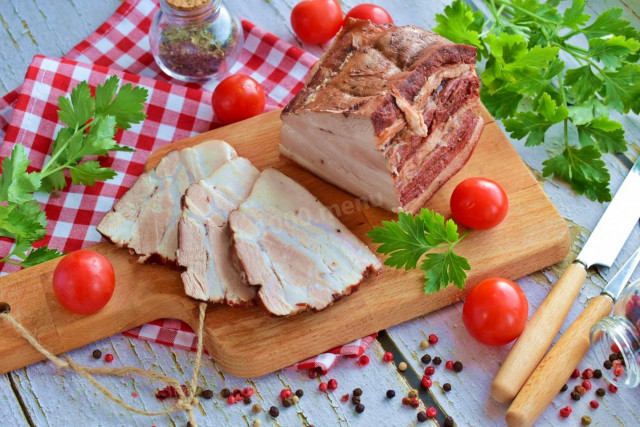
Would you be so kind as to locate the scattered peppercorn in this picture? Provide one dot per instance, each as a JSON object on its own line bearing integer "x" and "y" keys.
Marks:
{"x": 580, "y": 389}
{"x": 413, "y": 393}
{"x": 323, "y": 386}
{"x": 388, "y": 356}
{"x": 433, "y": 339}
{"x": 564, "y": 388}
{"x": 295, "y": 399}
{"x": 108, "y": 358}
{"x": 565, "y": 412}
{"x": 299, "y": 392}
{"x": 587, "y": 374}
{"x": 257, "y": 423}
{"x": 363, "y": 360}
{"x": 285, "y": 392}
{"x": 345, "y": 398}
{"x": 457, "y": 366}
{"x": 586, "y": 384}
{"x": 426, "y": 359}
{"x": 406, "y": 401}
{"x": 274, "y": 412}
{"x": 613, "y": 388}
{"x": 313, "y": 373}
{"x": 402, "y": 366}
{"x": 424, "y": 344}
{"x": 601, "y": 392}
{"x": 97, "y": 354}
{"x": 575, "y": 373}
{"x": 432, "y": 412}
{"x": 620, "y": 356}
{"x": 422, "y": 416}
{"x": 437, "y": 360}
{"x": 449, "y": 364}
{"x": 607, "y": 364}
{"x": 256, "y": 408}
{"x": 359, "y": 408}
{"x": 575, "y": 395}
{"x": 448, "y": 421}
{"x": 207, "y": 394}
{"x": 333, "y": 384}
{"x": 426, "y": 381}
{"x": 247, "y": 391}
{"x": 446, "y": 387}
{"x": 357, "y": 391}
{"x": 246, "y": 400}
{"x": 615, "y": 348}
{"x": 287, "y": 402}
{"x": 355, "y": 399}
{"x": 414, "y": 402}
{"x": 613, "y": 356}
{"x": 594, "y": 404}
{"x": 225, "y": 393}
{"x": 585, "y": 420}
{"x": 231, "y": 400}
{"x": 429, "y": 370}
{"x": 391, "y": 394}
{"x": 618, "y": 371}
{"x": 597, "y": 374}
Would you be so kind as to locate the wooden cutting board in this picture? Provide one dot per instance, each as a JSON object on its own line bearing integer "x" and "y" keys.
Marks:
{"x": 246, "y": 342}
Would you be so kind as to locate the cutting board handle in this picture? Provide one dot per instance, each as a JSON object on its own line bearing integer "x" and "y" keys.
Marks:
{"x": 29, "y": 293}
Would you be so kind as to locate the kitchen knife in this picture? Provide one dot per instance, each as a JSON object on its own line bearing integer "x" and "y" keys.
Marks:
{"x": 556, "y": 367}
{"x": 601, "y": 248}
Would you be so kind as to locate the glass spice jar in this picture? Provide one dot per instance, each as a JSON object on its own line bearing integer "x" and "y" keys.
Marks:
{"x": 617, "y": 339}
{"x": 195, "y": 40}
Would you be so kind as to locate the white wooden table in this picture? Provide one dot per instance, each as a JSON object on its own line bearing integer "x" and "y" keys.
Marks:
{"x": 39, "y": 395}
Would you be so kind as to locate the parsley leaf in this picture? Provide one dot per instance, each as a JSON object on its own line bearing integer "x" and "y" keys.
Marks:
{"x": 127, "y": 105}
{"x": 465, "y": 25}
{"x": 606, "y": 134}
{"x": 406, "y": 240}
{"x": 78, "y": 108}
{"x": 16, "y": 185}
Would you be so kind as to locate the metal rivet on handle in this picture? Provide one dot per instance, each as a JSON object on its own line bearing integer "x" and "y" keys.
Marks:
{"x": 5, "y": 307}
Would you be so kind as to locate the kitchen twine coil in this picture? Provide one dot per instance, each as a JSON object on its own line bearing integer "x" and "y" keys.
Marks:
{"x": 184, "y": 402}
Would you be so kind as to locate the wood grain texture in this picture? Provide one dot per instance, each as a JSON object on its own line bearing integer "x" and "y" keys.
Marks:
{"x": 538, "y": 334}
{"x": 557, "y": 366}
{"x": 245, "y": 341}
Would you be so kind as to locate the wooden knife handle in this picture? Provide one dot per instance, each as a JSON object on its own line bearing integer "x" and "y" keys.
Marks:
{"x": 556, "y": 368}
{"x": 538, "y": 335}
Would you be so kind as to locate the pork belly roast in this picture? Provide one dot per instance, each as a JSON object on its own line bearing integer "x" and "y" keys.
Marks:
{"x": 145, "y": 219}
{"x": 203, "y": 248}
{"x": 290, "y": 245}
{"x": 388, "y": 114}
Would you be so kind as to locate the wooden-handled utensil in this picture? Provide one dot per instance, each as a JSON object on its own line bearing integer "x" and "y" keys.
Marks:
{"x": 556, "y": 368}
{"x": 602, "y": 248}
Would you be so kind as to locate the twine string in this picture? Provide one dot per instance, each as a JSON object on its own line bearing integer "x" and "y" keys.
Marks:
{"x": 185, "y": 402}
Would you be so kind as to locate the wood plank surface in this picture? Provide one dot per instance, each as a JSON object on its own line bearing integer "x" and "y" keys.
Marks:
{"x": 52, "y": 398}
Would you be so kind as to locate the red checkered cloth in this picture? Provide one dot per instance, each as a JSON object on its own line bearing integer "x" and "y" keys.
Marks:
{"x": 175, "y": 111}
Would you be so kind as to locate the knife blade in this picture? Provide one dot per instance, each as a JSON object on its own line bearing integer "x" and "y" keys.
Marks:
{"x": 556, "y": 367}
{"x": 602, "y": 248}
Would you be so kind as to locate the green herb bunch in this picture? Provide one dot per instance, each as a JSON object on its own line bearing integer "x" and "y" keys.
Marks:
{"x": 91, "y": 126}
{"x": 527, "y": 84}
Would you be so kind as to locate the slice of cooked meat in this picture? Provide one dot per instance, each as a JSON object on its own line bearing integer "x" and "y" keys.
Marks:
{"x": 145, "y": 219}
{"x": 388, "y": 114}
{"x": 289, "y": 244}
{"x": 203, "y": 247}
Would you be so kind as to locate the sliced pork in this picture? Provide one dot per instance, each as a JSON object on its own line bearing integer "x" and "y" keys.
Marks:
{"x": 290, "y": 245}
{"x": 145, "y": 219}
{"x": 388, "y": 114}
{"x": 204, "y": 234}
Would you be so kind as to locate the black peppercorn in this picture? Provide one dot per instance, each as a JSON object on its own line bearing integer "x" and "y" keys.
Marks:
{"x": 225, "y": 393}
{"x": 391, "y": 394}
{"x": 355, "y": 399}
{"x": 564, "y": 388}
{"x": 437, "y": 360}
{"x": 287, "y": 402}
{"x": 457, "y": 366}
{"x": 357, "y": 391}
{"x": 575, "y": 395}
{"x": 600, "y": 392}
{"x": 620, "y": 356}
{"x": 299, "y": 392}
{"x": 613, "y": 356}
{"x": 207, "y": 394}
{"x": 597, "y": 373}
{"x": 247, "y": 401}
{"x": 426, "y": 359}
{"x": 97, "y": 354}
{"x": 274, "y": 412}
{"x": 446, "y": 387}
{"x": 359, "y": 408}
{"x": 607, "y": 364}
{"x": 422, "y": 417}
{"x": 448, "y": 421}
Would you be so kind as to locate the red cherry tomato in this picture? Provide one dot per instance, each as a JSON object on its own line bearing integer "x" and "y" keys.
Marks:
{"x": 316, "y": 21}
{"x": 84, "y": 281}
{"x": 479, "y": 203}
{"x": 372, "y": 12}
{"x": 495, "y": 311}
{"x": 236, "y": 98}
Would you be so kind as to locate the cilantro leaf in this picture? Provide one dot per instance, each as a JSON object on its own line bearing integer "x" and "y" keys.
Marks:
{"x": 606, "y": 134}
{"x": 76, "y": 110}
{"x": 16, "y": 185}
{"x": 88, "y": 173}
{"x": 127, "y": 105}
{"x": 406, "y": 240}
{"x": 40, "y": 255}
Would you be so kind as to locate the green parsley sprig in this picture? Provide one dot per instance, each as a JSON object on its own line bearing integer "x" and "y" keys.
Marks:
{"x": 91, "y": 123}
{"x": 412, "y": 236}
{"x": 527, "y": 84}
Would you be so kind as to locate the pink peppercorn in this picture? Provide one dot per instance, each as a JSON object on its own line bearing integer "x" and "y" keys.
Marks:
{"x": 613, "y": 388}
{"x": 414, "y": 402}
{"x": 345, "y": 398}
{"x": 575, "y": 373}
{"x": 426, "y": 381}
{"x": 565, "y": 412}
{"x": 429, "y": 370}
{"x": 586, "y": 384}
{"x": 108, "y": 357}
{"x": 615, "y": 348}
{"x": 247, "y": 392}
{"x": 388, "y": 356}
{"x": 594, "y": 404}
{"x": 363, "y": 360}
{"x": 433, "y": 339}
{"x": 449, "y": 365}
{"x": 618, "y": 371}
{"x": 313, "y": 373}
{"x": 431, "y": 412}
{"x": 323, "y": 386}
{"x": 231, "y": 400}
{"x": 587, "y": 374}
{"x": 333, "y": 384}
{"x": 285, "y": 393}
